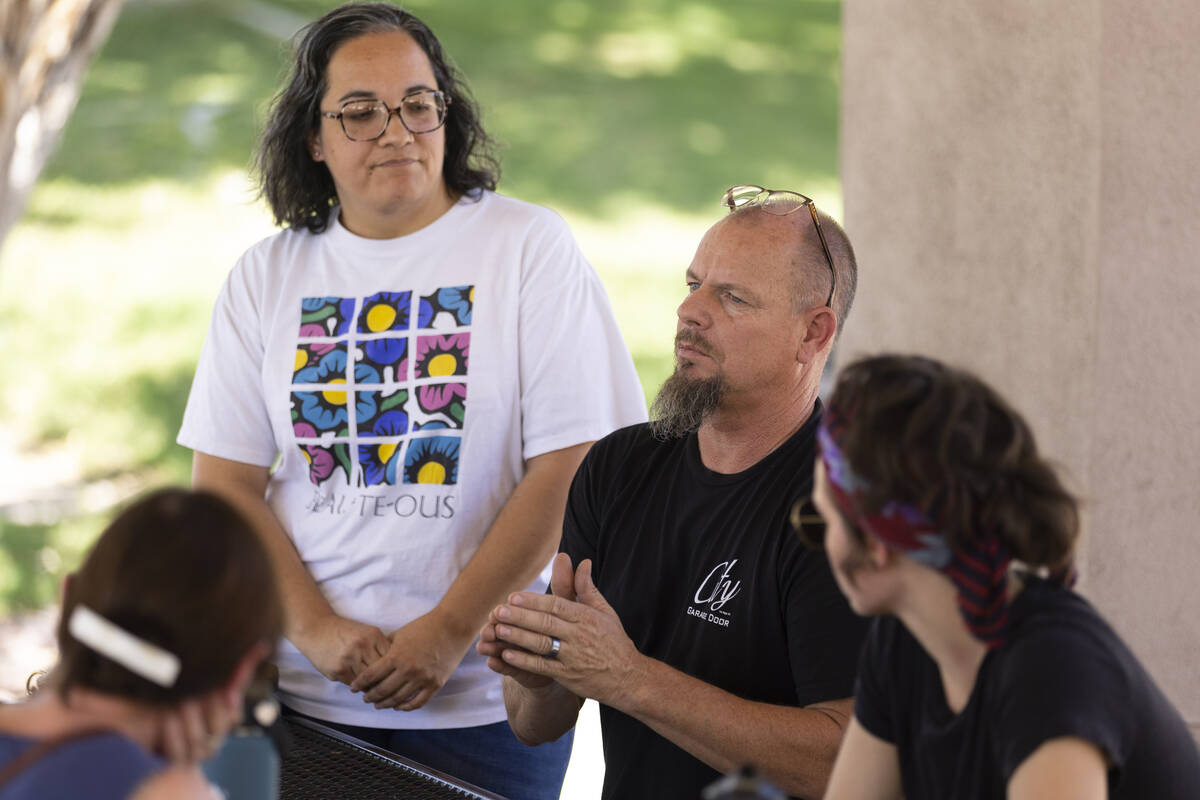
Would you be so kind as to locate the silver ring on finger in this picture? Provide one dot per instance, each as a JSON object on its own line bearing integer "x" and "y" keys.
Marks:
{"x": 555, "y": 647}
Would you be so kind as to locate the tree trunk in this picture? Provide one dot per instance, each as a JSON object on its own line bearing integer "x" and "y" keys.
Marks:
{"x": 45, "y": 48}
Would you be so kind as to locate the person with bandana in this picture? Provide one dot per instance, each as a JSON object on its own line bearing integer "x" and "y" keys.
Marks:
{"x": 984, "y": 675}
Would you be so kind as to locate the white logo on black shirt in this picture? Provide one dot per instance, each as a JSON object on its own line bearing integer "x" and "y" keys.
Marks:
{"x": 717, "y": 589}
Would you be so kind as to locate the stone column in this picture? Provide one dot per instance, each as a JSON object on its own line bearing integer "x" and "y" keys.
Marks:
{"x": 1022, "y": 185}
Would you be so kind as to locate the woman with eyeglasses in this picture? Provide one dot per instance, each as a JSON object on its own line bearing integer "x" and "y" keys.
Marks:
{"x": 162, "y": 629}
{"x": 985, "y": 675}
{"x": 398, "y": 389}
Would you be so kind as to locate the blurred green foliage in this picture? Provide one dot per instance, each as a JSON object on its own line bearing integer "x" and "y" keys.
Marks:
{"x": 593, "y": 102}
{"x": 629, "y": 117}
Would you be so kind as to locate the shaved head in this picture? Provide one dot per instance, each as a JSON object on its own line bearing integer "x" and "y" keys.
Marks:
{"x": 806, "y": 258}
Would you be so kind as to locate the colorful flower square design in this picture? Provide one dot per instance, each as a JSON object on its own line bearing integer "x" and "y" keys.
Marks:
{"x": 381, "y": 413}
{"x": 385, "y": 311}
{"x": 379, "y": 462}
{"x": 440, "y": 405}
{"x": 382, "y": 360}
{"x": 320, "y": 362}
{"x": 320, "y": 412}
{"x": 323, "y": 461}
{"x": 432, "y": 460}
{"x": 447, "y": 308}
{"x": 363, "y": 385}
{"x": 325, "y": 316}
{"x": 442, "y": 356}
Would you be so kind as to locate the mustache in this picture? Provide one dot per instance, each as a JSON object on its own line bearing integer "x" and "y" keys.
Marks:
{"x": 692, "y": 339}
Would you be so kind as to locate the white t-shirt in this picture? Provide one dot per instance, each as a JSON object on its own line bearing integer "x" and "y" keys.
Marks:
{"x": 399, "y": 385}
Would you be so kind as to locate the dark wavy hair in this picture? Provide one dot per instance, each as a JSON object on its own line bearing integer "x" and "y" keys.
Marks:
{"x": 184, "y": 571}
{"x": 299, "y": 190}
{"x": 940, "y": 439}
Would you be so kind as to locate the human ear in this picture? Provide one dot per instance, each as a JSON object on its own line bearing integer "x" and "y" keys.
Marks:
{"x": 820, "y": 328}
{"x": 243, "y": 671}
{"x": 879, "y": 554}
{"x": 315, "y": 149}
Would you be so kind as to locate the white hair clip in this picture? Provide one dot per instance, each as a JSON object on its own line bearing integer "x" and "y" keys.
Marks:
{"x": 136, "y": 655}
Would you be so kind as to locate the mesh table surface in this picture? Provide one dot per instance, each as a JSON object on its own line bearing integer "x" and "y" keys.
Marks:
{"x": 324, "y": 763}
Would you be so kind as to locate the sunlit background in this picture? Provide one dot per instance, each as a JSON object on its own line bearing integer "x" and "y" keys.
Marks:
{"x": 628, "y": 117}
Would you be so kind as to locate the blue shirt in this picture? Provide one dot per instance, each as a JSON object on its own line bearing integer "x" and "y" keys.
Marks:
{"x": 106, "y": 766}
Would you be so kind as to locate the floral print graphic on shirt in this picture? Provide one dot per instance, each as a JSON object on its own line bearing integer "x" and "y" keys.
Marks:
{"x": 324, "y": 461}
{"x": 378, "y": 462}
{"x": 447, "y": 308}
{"x": 325, "y": 316}
{"x": 386, "y": 358}
{"x": 385, "y": 311}
{"x": 440, "y": 405}
{"x": 439, "y": 356}
{"x": 379, "y": 386}
{"x": 432, "y": 460}
{"x": 381, "y": 413}
{"x": 321, "y": 412}
{"x": 319, "y": 362}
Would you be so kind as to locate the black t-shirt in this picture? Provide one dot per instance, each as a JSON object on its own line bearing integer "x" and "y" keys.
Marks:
{"x": 1062, "y": 672}
{"x": 707, "y": 576}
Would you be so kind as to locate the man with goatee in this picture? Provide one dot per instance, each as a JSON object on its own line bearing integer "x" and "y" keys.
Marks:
{"x": 682, "y": 600}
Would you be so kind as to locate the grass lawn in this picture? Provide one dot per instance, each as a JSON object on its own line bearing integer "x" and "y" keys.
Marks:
{"x": 629, "y": 118}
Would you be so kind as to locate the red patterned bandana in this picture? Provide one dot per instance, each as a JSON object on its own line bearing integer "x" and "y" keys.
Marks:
{"x": 979, "y": 570}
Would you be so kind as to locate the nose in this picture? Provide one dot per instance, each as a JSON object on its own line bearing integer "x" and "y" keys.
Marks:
{"x": 693, "y": 311}
{"x": 394, "y": 130}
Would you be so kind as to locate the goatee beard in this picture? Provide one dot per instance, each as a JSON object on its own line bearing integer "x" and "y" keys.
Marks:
{"x": 683, "y": 403}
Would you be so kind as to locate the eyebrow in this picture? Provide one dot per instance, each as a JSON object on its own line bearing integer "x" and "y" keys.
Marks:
{"x": 743, "y": 291}
{"x": 358, "y": 94}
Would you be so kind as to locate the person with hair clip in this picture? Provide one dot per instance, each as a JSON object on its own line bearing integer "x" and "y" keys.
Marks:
{"x": 985, "y": 675}
{"x": 162, "y": 630}
{"x": 398, "y": 389}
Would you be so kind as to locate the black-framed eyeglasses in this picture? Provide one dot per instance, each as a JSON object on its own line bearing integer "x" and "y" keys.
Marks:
{"x": 780, "y": 203}
{"x": 366, "y": 120}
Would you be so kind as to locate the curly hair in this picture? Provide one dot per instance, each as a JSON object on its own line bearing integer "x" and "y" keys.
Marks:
{"x": 299, "y": 190}
{"x": 938, "y": 438}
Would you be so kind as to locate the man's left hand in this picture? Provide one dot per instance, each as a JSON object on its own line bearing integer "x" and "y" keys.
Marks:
{"x": 423, "y": 655}
{"x": 596, "y": 658}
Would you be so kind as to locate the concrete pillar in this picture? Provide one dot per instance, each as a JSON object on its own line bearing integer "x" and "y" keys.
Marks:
{"x": 1022, "y": 185}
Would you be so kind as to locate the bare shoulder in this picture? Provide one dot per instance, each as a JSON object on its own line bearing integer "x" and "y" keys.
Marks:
{"x": 178, "y": 782}
{"x": 1066, "y": 768}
